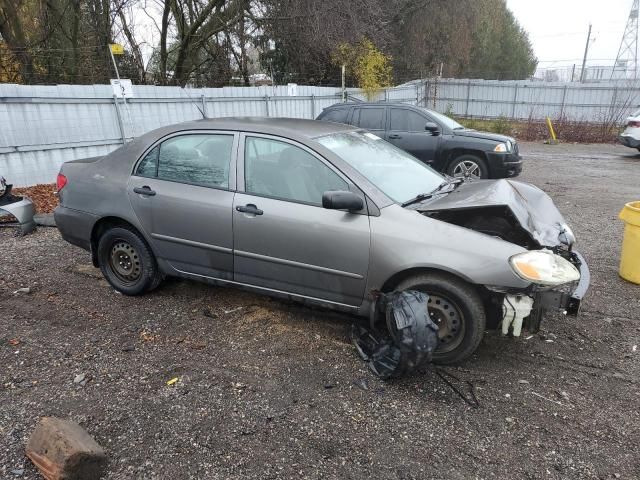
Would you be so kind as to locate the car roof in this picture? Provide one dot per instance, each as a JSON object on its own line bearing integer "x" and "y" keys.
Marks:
{"x": 289, "y": 127}
{"x": 375, "y": 104}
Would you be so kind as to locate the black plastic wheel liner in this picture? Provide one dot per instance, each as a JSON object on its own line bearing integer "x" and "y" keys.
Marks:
{"x": 409, "y": 340}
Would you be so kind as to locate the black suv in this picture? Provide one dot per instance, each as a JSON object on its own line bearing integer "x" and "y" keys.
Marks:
{"x": 434, "y": 138}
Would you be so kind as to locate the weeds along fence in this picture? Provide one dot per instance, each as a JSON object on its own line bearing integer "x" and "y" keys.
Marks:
{"x": 43, "y": 126}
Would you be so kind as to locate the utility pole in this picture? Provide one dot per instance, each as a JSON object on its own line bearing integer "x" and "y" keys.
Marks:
{"x": 584, "y": 59}
{"x": 627, "y": 58}
{"x": 344, "y": 90}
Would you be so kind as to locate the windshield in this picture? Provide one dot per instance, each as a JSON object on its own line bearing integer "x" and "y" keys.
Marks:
{"x": 399, "y": 175}
{"x": 449, "y": 122}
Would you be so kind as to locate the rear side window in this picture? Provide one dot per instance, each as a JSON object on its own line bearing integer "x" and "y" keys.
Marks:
{"x": 195, "y": 159}
{"x": 149, "y": 165}
{"x": 371, "y": 118}
{"x": 404, "y": 120}
{"x": 337, "y": 115}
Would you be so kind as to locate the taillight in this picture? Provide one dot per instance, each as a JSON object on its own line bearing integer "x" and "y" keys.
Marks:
{"x": 61, "y": 181}
{"x": 634, "y": 123}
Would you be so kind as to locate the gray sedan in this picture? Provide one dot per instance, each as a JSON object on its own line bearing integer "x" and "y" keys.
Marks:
{"x": 325, "y": 214}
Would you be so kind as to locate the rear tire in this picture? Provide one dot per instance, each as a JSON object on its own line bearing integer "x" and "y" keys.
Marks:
{"x": 468, "y": 166}
{"x": 457, "y": 309}
{"x": 127, "y": 262}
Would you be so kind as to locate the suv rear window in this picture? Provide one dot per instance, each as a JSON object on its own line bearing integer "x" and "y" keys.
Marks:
{"x": 337, "y": 115}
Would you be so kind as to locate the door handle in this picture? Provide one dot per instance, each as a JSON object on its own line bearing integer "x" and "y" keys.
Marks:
{"x": 249, "y": 208}
{"x": 144, "y": 191}
{"x": 395, "y": 135}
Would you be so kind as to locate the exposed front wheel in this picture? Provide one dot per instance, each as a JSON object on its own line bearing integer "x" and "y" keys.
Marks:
{"x": 468, "y": 166}
{"x": 127, "y": 262}
{"x": 456, "y": 308}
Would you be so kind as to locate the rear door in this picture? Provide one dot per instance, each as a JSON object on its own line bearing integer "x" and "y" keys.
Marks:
{"x": 372, "y": 118}
{"x": 406, "y": 131}
{"x": 283, "y": 238}
{"x": 182, "y": 192}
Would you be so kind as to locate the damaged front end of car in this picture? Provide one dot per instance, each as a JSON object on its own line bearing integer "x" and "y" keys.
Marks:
{"x": 522, "y": 214}
{"x": 16, "y": 212}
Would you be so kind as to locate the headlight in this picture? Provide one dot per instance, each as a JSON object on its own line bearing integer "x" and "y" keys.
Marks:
{"x": 501, "y": 148}
{"x": 544, "y": 268}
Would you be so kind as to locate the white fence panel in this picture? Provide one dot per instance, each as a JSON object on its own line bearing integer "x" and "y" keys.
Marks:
{"x": 44, "y": 126}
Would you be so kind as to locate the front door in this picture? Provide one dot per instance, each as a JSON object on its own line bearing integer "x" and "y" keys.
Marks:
{"x": 283, "y": 238}
{"x": 406, "y": 131}
{"x": 182, "y": 193}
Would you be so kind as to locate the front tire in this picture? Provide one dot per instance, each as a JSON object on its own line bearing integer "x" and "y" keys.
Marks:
{"x": 468, "y": 166}
{"x": 457, "y": 309}
{"x": 127, "y": 262}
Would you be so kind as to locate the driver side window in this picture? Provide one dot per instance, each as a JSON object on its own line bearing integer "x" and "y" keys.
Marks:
{"x": 284, "y": 171}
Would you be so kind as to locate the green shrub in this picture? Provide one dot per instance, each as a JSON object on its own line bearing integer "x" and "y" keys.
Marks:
{"x": 502, "y": 126}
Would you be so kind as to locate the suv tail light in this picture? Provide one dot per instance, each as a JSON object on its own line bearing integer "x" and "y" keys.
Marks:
{"x": 634, "y": 123}
{"x": 61, "y": 181}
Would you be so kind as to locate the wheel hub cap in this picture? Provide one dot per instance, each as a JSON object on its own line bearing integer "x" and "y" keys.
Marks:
{"x": 446, "y": 315}
{"x": 125, "y": 262}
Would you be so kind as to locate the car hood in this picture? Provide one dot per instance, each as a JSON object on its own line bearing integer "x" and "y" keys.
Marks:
{"x": 494, "y": 137}
{"x": 531, "y": 207}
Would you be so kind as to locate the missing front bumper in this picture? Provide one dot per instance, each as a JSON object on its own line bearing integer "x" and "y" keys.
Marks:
{"x": 567, "y": 302}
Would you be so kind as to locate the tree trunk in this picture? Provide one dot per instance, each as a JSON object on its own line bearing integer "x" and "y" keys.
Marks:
{"x": 12, "y": 33}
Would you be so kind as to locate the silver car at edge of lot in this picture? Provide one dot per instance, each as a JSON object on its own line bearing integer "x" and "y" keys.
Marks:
{"x": 325, "y": 214}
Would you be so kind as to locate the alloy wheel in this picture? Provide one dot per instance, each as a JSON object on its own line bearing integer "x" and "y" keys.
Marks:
{"x": 467, "y": 169}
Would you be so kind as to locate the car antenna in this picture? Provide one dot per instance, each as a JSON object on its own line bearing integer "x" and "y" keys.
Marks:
{"x": 194, "y": 102}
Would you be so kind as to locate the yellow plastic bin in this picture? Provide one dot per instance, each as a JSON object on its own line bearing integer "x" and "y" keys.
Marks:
{"x": 630, "y": 258}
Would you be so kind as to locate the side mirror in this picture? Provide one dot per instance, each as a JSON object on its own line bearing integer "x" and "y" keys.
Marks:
{"x": 432, "y": 127}
{"x": 342, "y": 200}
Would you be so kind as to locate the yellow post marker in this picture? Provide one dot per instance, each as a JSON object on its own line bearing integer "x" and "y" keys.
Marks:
{"x": 116, "y": 49}
{"x": 630, "y": 257}
{"x": 554, "y": 140}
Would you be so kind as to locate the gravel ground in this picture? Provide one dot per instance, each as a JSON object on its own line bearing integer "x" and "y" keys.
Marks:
{"x": 268, "y": 389}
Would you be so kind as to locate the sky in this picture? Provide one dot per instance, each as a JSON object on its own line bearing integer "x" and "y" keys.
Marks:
{"x": 558, "y": 29}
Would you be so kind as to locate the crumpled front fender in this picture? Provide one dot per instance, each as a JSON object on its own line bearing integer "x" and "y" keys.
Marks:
{"x": 24, "y": 211}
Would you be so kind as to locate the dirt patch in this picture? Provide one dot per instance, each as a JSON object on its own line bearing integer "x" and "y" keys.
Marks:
{"x": 268, "y": 389}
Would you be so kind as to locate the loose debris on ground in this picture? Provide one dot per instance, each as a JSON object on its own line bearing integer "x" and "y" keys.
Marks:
{"x": 42, "y": 195}
{"x": 63, "y": 450}
{"x": 269, "y": 389}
